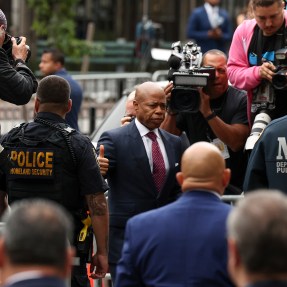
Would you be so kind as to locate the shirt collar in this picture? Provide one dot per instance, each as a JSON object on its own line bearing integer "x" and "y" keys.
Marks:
{"x": 143, "y": 130}
{"x": 50, "y": 116}
{"x": 210, "y": 8}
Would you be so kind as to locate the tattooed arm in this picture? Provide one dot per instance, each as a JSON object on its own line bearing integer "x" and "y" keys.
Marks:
{"x": 100, "y": 221}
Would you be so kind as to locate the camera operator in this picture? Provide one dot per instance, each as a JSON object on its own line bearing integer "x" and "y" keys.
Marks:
{"x": 251, "y": 63}
{"x": 221, "y": 119}
{"x": 18, "y": 83}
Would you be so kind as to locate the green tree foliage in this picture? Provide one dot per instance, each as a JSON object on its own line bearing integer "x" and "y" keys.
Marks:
{"x": 54, "y": 20}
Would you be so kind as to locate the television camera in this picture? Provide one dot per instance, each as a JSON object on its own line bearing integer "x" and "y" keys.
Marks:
{"x": 187, "y": 75}
{"x": 264, "y": 98}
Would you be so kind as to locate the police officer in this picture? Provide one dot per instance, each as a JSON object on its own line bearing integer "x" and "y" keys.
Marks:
{"x": 51, "y": 160}
{"x": 267, "y": 165}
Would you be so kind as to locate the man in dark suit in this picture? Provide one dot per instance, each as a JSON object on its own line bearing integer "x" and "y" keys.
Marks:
{"x": 184, "y": 243}
{"x": 131, "y": 165}
{"x": 210, "y": 26}
{"x": 34, "y": 245}
{"x": 257, "y": 240}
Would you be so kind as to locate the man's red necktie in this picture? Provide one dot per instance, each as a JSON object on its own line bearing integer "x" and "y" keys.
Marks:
{"x": 158, "y": 162}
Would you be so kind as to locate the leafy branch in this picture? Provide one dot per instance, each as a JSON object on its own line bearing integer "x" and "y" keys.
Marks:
{"x": 54, "y": 21}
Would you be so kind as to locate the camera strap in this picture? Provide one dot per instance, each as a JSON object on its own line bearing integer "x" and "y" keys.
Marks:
{"x": 280, "y": 42}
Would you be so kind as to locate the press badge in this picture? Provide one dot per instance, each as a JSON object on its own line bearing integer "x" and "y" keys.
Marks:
{"x": 222, "y": 147}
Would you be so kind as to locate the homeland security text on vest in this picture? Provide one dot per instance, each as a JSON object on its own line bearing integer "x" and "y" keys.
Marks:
{"x": 35, "y": 162}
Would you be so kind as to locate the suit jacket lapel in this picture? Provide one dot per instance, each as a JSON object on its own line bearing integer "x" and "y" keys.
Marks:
{"x": 138, "y": 151}
{"x": 171, "y": 159}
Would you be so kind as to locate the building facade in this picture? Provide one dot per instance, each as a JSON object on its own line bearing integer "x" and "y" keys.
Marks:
{"x": 118, "y": 18}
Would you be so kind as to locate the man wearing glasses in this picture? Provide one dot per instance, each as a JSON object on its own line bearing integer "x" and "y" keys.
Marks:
{"x": 221, "y": 119}
{"x": 252, "y": 62}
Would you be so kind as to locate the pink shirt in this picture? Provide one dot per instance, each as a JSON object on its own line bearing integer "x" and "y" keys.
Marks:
{"x": 240, "y": 74}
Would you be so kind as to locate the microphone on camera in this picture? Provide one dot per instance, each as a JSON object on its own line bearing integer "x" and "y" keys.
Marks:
{"x": 174, "y": 61}
{"x": 170, "y": 74}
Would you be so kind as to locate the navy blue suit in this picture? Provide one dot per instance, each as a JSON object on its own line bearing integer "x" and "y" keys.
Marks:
{"x": 38, "y": 282}
{"x": 132, "y": 189}
{"x": 199, "y": 25}
{"x": 182, "y": 244}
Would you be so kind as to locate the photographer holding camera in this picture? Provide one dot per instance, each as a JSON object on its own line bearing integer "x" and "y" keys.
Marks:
{"x": 18, "y": 83}
{"x": 221, "y": 118}
{"x": 252, "y": 58}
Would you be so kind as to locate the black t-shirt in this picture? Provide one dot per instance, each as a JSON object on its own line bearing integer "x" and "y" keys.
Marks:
{"x": 265, "y": 47}
{"x": 232, "y": 109}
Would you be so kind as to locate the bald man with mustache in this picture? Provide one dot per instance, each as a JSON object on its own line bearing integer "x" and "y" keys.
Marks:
{"x": 183, "y": 243}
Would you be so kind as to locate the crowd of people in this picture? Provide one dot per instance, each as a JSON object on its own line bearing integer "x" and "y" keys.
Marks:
{"x": 163, "y": 222}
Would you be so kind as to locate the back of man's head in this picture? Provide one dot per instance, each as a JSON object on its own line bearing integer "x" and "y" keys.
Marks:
{"x": 53, "y": 89}
{"x": 203, "y": 167}
{"x": 36, "y": 233}
{"x": 257, "y": 234}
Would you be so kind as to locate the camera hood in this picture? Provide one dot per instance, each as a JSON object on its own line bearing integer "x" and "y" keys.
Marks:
{"x": 184, "y": 99}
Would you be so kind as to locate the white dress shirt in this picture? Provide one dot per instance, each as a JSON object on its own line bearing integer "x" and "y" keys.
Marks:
{"x": 148, "y": 144}
{"x": 214, "y": 18}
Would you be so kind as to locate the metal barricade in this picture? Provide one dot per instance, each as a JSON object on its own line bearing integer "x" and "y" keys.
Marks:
{"x": 160, "y": 75}
{"x": 232, "y": 199}
{"x": 11, "y": 115}
{"x": 101, "y": 91}
{"x": 110, "y": 86}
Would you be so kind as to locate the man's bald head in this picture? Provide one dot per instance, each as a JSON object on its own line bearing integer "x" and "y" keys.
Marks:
{"x": 146, "y": 89}
{"x": 203, "y": 167}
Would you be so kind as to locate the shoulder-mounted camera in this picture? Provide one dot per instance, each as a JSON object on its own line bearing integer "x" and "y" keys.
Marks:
{"x": 187, "y": 75}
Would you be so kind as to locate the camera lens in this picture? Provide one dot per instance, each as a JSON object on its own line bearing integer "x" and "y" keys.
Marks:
{"x": 279, "y": 80}
{"x": 260, "y": 123}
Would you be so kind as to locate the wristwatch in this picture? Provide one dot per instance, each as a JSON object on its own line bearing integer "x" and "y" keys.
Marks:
{"x": 19, "y": 62}
{"x": 211, "y": 116}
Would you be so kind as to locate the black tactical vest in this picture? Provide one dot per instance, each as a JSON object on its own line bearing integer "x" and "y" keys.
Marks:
{"x": 44, "y": 168}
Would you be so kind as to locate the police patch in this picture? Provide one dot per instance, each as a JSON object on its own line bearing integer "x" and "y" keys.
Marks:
{"x": 32, "y": 163}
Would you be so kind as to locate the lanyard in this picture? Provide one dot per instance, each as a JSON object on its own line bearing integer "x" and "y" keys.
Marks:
{"x": 279, "y": 40}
